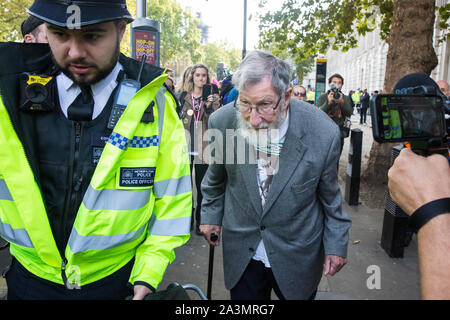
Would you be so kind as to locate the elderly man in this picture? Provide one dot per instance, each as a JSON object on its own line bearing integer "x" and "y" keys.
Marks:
{"x": 280, "y": 216}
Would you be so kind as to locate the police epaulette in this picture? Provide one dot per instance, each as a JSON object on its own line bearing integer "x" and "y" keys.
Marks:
{"x": 148, "y": 114}
{"x": 179, "y": 106}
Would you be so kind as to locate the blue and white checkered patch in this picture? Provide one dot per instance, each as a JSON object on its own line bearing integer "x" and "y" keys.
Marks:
{"x": 118, "y": 141}
{"x": 144, "y": 142}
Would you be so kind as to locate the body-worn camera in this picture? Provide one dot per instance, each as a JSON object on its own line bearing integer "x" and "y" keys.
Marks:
{"x": 37, "y": 92}
{"x": 417, "y": 116}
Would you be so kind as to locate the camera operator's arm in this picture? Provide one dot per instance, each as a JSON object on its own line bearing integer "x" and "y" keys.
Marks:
{"x": 414, "y": 181}
{"x": 324, "y": 101}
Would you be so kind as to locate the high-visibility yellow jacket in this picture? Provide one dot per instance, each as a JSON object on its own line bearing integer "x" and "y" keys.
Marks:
{"x": 355, "y": 96}
{"x": 115, "y": 222}
{"x": 392, "y": 124}
{"x": 310, "y": 95}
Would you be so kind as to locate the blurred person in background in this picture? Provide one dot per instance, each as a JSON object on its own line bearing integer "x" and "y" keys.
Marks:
{"x": 33, "y": 30}
{"x": 195, "y": 115}
{"x": 299, "y": 92}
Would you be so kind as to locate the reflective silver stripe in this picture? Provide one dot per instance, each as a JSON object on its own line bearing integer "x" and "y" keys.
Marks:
{"x": 17, "y": 236}
{"x": 109, "y": 199}
{"x": 4, "y": 191}
{"x": 161, "y": 104}
{"x": 173, "y": 187}
{"x": 79, "y": 243}
{"x": 169, "y": 227}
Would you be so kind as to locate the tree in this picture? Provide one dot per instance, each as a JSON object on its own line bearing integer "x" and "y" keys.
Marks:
{"x": 410, "y": 50}
{"x": 12, "y": 14}
{"x": 213, "y": 53}
{"x": 312, "y": 27}
{"x": 125, "y": 45}
{"x": 180, "y": 36}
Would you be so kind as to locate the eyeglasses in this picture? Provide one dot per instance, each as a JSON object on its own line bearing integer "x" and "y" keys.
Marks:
{"x": 263, "y": 108}
{"x": 301, "y": 94}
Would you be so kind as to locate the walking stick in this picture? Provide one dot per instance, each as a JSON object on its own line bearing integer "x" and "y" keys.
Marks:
{"x": 213, "y": 238}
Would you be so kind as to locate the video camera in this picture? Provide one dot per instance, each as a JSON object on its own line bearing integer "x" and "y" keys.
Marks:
{"x": 416, "y": 115}
{"x": 336, "y": 91}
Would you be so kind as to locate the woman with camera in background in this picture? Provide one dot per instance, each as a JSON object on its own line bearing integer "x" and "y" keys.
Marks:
{"x": 199, "y": 100}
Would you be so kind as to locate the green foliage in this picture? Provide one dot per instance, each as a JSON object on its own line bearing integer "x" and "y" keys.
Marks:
{"x": 213, "y": 53}
{"x": 443, "y": 18}
{"x": 303, "y": 29}
{"x": 180, "y": 36}
{"x": 12, "y": 13}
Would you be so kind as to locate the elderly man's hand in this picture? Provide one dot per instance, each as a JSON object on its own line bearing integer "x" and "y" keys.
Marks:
{"x": 208, "y": 229}
{"x": 415, "y": 180}
{"x": 333, "y": 264}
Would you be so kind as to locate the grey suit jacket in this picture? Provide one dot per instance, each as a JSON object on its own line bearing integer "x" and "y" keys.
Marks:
{"x": 302, "y": 218}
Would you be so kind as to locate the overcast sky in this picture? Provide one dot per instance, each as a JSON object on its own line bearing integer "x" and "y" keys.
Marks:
{"x": 226, "y": 19}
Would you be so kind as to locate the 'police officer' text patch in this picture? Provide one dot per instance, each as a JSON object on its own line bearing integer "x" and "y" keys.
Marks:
{"x": 137, "y": 177}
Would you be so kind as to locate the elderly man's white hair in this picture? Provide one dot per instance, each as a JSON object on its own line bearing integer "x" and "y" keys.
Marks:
{"x": 258, "y": 65}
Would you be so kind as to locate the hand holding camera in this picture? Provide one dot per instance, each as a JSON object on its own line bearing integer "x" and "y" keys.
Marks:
{"x": 335, "y": 95}
{"x": 416, "y": 180}
{"x": 209, "y": 93}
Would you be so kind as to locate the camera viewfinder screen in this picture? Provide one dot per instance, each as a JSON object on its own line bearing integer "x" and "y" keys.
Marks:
{"x": 411, "y": 117}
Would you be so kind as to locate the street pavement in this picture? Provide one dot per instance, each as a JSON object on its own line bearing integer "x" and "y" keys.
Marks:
{"x": 370, "y": 273}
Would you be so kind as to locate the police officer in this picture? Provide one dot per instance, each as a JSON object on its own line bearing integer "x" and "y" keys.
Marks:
{"x": 33, "y": 30}
{"x": 92, "y": 205}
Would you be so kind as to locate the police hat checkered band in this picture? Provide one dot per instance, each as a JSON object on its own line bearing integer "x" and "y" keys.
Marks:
{"x": 60, "y": 13}
{"x": 86, "y": 3}
{"x": 118, "y": 141}
{"x": 144, "y": 142}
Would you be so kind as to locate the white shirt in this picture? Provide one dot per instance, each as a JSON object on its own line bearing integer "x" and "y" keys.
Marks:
{"x": 260, "y": 253}
{"x": 68, "y": 91}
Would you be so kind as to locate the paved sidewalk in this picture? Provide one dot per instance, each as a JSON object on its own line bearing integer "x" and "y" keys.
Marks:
{"x": 398, "y": 277}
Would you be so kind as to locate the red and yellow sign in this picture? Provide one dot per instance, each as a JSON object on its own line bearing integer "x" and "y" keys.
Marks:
{"x": 145, "y": 42}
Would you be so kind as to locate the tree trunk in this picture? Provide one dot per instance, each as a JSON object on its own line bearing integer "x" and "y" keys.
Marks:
{"x": 410, "y": 50}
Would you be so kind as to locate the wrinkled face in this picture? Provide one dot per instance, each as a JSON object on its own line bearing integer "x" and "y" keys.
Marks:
{"x": 261, "y": 127}
{"x": 89, "y": 54}
{"x": 262, "y": 95}
{"x": 200, "y": 77}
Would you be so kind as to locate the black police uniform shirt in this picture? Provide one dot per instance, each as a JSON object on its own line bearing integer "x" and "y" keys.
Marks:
{"x": 101, "y": 91}
{"x": 69, "y": 151}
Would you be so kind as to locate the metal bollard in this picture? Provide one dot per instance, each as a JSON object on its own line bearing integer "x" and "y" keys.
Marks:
{"x": 353, "y": 178}
{"x": 395, "y": 222}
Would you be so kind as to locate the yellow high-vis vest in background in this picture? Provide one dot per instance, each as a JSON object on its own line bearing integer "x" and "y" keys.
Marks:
{"x": 138, "y": 204}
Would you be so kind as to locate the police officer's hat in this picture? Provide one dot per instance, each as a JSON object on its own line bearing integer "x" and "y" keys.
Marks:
{"x": 414, "y": 80}
{"x": 57, "y": 12}
{"x": 29, "y": 25}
